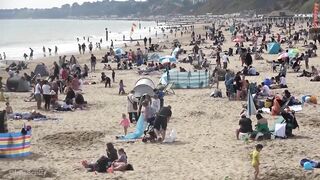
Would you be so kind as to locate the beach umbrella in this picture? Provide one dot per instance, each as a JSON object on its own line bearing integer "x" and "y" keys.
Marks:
{"x": 283, "y": 55}
{"x": 154, "y": 57}
{"x": 238, "y": 40}
{"x": 167, "y": 59}
{"x": 251, "y": 108}
{"x": 119, "y": 51}
{"x": 293, "y": 52}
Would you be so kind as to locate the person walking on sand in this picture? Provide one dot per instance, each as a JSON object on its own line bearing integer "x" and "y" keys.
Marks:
{"x": 121, "y": 87}
{"x": 4, "y": 56}
{"x": 49, "y": 49}
{"x": 44, "y": 51}
{"x": 255, "y": 156}
{"x": 125, "y": 123}
{"x": 113, "y": 75}
{"x": 31, "y": 54}
{"x": 93, "y": 62}
{"x": 150, "y": 41}
{"x": 145, "y": 41}
{"x": 83, "y": 46}
{"x": 55, "y": 50}
{"x": 111, "y": 44}
{"x": 79, "y": 47}
{"x": 90, "y": 47}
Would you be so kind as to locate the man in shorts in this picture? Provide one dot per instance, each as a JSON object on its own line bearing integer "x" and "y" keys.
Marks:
{"x": 162, "y": 119}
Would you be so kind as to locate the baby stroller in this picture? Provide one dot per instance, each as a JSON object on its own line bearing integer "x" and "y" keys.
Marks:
{"x": 149, "y": 134}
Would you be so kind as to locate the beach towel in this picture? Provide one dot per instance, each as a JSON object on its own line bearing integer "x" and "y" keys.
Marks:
{"x": 313, "y": 163}
{"x": 140, "y": 126}
{"x": 14, "y": 145}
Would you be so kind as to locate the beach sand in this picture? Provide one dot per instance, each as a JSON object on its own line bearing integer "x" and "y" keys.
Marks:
{"x": 206, "y": 147}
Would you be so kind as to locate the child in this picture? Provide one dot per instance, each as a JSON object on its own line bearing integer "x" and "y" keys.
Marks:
{"x": 255, "y": 156}
{"x": 125, "y": 123}
{"x": 122, "y": 156}
{"x": 121, "y": 87}
{"x": 274, "y": 66}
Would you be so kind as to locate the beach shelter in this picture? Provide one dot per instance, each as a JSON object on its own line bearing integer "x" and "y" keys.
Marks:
{"x": 154, "y": 57}
{"x": 17, "y": 84}
{"x": 144, "y": 86}
{"x": 273, "y": 48}
{"x": 251, "y": 108}
{"x": 167, "y": 59}
{"x": 41, "y": 69}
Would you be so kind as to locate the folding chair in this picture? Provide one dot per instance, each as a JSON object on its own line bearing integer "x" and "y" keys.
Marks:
{"x": 168, "y": 89}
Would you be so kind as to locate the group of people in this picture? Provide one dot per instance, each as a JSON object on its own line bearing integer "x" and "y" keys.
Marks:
{"x": 114, "y": 160}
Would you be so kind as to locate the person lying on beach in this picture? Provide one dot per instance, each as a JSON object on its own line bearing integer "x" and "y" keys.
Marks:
{"x": 104, "y": 162}
{"x": 305, "y": 74}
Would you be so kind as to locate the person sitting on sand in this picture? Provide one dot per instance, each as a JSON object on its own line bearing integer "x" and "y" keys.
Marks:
{"x": 9, "y": 109}
{"x": 262, "y": 124}
{"x": 103, "y": 162}
{"x": 75, "y": 83}
{"x": 315, "y": 71}
{"x": 245, "y": 126}
{"x": 70, "y": 94}
{"x": 283, "y": 83}
{"x": 121, "y": 163}
{"x": 79, "y": 101}
{"x": 264, "y": 90}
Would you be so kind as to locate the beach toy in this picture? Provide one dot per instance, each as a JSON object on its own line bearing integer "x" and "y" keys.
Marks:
{"x": 307, "y": 166}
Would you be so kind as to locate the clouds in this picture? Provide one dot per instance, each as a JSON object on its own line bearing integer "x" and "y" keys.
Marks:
{"x": 11, "y": 4}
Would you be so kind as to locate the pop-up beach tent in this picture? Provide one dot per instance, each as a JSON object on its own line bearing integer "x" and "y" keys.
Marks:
{"x": 273, "y": 48}
{"x": 17, "y": 84}
{"x": 41, "y": 69}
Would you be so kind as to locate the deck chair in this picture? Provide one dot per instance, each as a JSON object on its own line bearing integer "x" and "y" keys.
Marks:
{"x": 168, "y": 89}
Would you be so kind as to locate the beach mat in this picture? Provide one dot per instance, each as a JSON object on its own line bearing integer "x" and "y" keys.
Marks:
{"x": 138, "y": 132}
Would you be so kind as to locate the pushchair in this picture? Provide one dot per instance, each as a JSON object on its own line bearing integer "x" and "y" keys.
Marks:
{"x": 149, "y": 134}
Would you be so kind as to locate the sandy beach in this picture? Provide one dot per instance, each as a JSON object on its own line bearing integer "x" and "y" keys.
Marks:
{"x": 206, "y": 146}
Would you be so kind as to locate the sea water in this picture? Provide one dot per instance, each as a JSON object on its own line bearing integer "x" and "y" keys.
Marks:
{"x": 18, "y": 35}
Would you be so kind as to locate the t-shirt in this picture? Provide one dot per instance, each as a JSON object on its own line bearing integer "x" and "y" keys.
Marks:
{"x": 245, "y": 125}
{"x": 156, "y": 104}
{"x": 225, "y": 58}
{"x": 255, "y": 155}
{"x": 165, "y": 112}
{"x": 265, "y": 90}
{"x": 125, "y": 122}
{"x": 46, "y": 89}
{"x": 37, "y": 89}
{"x": 252, "y": 71}
{"x": 283, "y": 80}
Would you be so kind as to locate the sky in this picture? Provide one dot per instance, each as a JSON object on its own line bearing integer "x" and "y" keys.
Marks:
{"x": 11, "y": 4}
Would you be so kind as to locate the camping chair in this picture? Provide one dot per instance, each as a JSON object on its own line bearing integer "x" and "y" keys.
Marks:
{"x": 168, "y": 89}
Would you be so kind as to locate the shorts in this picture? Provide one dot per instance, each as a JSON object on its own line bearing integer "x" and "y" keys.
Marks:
{"x": 37, "y": 97}
{"x": 160, "y": 123}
